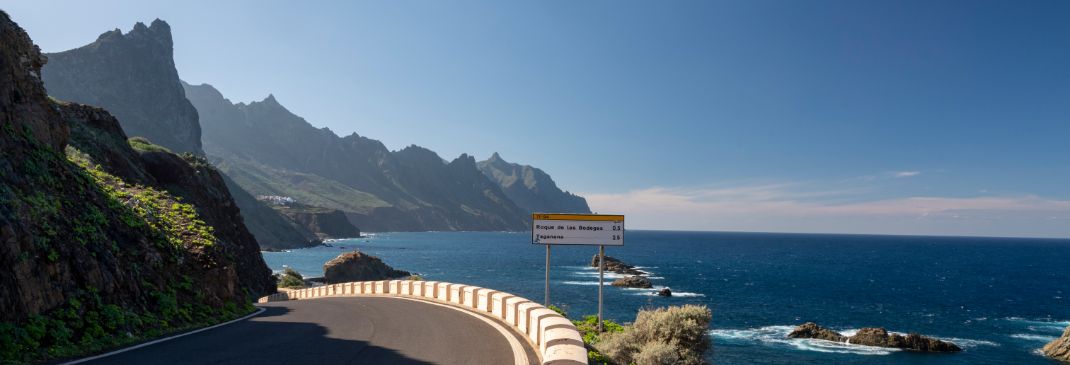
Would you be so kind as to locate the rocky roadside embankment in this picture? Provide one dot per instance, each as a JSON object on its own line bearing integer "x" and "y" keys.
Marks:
{"x": 878, "y": 337}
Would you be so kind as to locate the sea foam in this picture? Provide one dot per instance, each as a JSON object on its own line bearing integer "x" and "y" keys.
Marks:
{"x": 778, "y": 336}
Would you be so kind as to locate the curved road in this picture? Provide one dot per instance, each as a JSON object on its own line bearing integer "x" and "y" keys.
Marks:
{"x": 355, "y": 330}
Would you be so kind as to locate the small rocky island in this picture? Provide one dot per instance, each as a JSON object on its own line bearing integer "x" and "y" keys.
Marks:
{"x": 358, "y": 266}
{"x": 1060, "y": 348}
{"x": 617, "y": 266}
{"x": 634, "y": 281}
{"x": 878, "y": 337}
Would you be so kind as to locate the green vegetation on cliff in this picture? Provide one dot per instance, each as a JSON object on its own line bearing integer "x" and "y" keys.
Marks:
{"x": 88, "y": 322}
{"x": 671, "y": 335}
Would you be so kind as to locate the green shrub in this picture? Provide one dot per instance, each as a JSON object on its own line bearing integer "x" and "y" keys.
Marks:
{"x": 674, "y": 335}
{"x": 143, "y": 144}
{"x": 415, "y": 278}
{"x": 290, "y": 278}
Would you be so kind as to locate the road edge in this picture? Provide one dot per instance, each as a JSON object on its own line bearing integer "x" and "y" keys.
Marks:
{"x": 158, "y": 340}
{"x": 520, "y": 354}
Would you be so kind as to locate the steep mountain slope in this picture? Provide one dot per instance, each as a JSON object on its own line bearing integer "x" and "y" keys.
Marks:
{"x": 101, "y": 243}
{"x": 530, "y": 188}
{"x": 412, "y": 189}
{"x": 124, "y": 73}
{"x": 134, "y": 76}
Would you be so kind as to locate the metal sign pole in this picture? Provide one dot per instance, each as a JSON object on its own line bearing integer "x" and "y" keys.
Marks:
{"x": 546, "y": 299}
{"x": 601, "y": 271}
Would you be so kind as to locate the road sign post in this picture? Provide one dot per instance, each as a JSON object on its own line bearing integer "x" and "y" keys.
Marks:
{"x": 601, "y": 271}
{"x": 578, "y": 229}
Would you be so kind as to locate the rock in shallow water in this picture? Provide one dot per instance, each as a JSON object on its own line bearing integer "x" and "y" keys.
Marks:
{"x": 357, "y": 266}
{"x": 665, "y": 292}
{"x": 812, "y": 330}
{"x": 617, "y": 266}
{"x": 634, "y": 281}
{"x": 878, "y": 337}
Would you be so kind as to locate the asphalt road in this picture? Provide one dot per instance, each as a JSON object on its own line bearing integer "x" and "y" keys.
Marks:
{"x": 357, "y": 330}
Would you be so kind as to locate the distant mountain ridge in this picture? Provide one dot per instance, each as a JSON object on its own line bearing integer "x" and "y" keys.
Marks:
{"x": 531, "y": 188}
{"x": 264, "y": 149}
{"x": 412, "y": 189}
{"x": 133, "y": 75}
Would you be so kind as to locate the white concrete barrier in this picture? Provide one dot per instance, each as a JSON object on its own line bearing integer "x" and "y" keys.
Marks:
{"x": 554, "y": 337}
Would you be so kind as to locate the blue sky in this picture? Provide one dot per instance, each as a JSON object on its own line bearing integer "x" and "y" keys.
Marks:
{"x": 906, "y": 117}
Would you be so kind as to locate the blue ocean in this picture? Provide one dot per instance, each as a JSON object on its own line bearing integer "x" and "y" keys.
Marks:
{"x": 1000, "y": 299}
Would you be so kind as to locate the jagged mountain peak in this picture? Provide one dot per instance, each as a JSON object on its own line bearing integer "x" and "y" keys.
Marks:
{"x": 531, "y": 188}
{"x": 133, "y": 76}
{"x": 158, "y": 31}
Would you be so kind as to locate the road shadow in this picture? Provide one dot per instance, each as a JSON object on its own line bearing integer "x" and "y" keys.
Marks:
{"x": 262, "y": 340}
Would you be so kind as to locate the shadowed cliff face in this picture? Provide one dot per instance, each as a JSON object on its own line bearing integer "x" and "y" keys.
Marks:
{"x": 270, "y": 151}
{"x": 124, "y": 73}
{"x": 532, "y": 189}
{"x": 98, "y": 239}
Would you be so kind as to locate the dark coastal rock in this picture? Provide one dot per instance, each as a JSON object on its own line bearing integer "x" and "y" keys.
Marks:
{"x": 634, "y": 281}
{"x": 531, "y": 188}
{"x": 1060, "y": 348}
{"x": 358, "y": 266}
{"x": 665, "y": 292}
{"x": 878, "y": 337}
{"x": 323, "y": 222}
{"x": 615, "y": 265}
{"x": 812, "y": 330}
{"x": 881, "y": 338}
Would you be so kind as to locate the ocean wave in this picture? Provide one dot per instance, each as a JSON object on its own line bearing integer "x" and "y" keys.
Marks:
{"x": 778, "y": 336}
{"x": 1032, "y": 337}
{"x": 682, "y": 294}
{"x": 571, "y": 282}
{"x": 961, "y": 342}
{"x": 1039, "y": 321}
{"x": 608, "y": 275}
{"x": 967, "y": 343}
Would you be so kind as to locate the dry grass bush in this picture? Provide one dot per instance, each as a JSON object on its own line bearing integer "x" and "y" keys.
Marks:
{"x": 663, "y": 336}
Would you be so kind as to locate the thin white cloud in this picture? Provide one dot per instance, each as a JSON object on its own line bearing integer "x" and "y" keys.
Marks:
{"x": 901, "y": 174}
{"x": 778, "y": 207}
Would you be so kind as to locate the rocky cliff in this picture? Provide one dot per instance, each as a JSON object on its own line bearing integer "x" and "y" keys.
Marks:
{"x": 270, "y": 151}
{"x": 1060, "y": 348}
{"x": 101, "y": 244}
{"x": 324, "y": 223}
{"x": 530, "y": 188}
{"x": 133, "y": 76}
{"x": 273, "y": 231}
{"x": 126, "y": 74}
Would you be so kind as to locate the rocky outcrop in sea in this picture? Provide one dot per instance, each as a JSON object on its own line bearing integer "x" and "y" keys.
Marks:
{"x": 358, "y": 266}
{"x": 634, "y": 281}
{"x": 617, "y": 266}
{"x": 878, "y": 337}
{"x": 1060, "y": 348}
